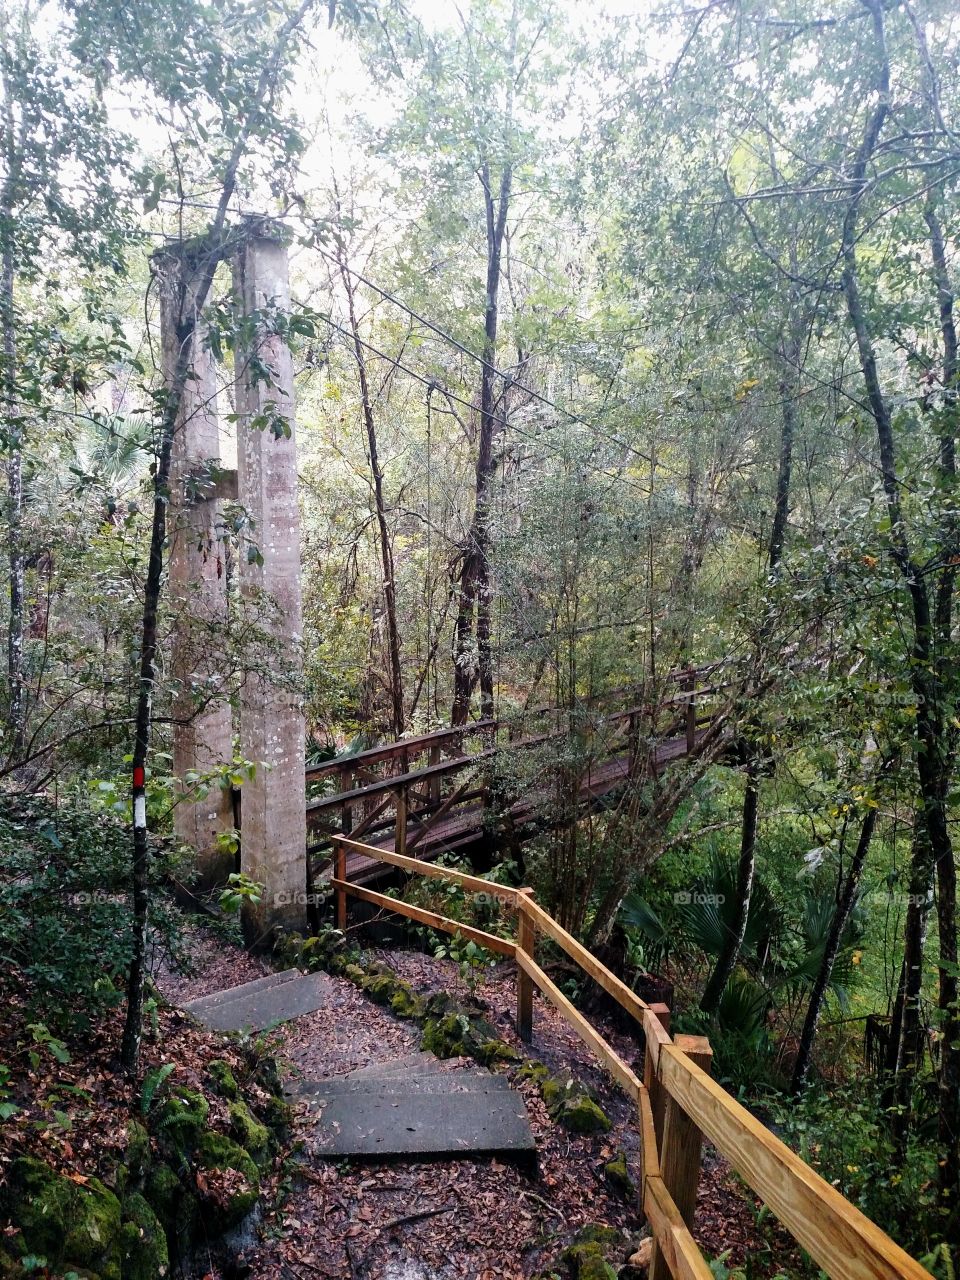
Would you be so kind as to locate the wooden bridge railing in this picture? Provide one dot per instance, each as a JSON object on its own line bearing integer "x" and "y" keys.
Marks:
{"x": 425, "y": 779}
{"x": 678, "y": 1104}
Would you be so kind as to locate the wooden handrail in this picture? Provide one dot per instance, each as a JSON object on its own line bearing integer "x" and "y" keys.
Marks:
{"x": 841, "y": 1239}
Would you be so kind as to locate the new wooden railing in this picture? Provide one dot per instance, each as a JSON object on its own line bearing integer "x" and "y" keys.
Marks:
{"x": 678, "y": 1104}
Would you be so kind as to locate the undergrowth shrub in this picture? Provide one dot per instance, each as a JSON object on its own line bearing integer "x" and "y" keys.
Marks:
{"x": 65, "y": 914}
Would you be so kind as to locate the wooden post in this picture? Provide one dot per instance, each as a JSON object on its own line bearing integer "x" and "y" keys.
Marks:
{"x": 526, "y": 942}
{"x": 346, "y": 812}
{"x": 340, "y": 866}
{"x": 680, "y": 1151}
{"x": 400, "y": 835}
{"x": 690, "y": 685}
{"x": 435, "y": 782}
{"x": 654, "y": 1087}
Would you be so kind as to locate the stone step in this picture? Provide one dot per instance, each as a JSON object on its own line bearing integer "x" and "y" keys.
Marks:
{"x": 256, "y": 1005}
{"x": 217, "y": 998}
{"x": 315, "y": 1091}
{"x": 370, "y": 1124}
{"x": 421, "y": 1063}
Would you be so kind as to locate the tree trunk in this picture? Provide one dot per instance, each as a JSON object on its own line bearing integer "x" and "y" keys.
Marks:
{"x": 841, "y": 918}
{"x": 386, "y": 546}
{"x": 746, "y": 871}
{"x": 16, "y": 711}
{"x": 475, "y": 571}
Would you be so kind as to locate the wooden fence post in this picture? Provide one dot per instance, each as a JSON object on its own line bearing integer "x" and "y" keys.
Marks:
{"x": 526, "y": 942}
{"x": 653, "y": 1085}
{"x": 680, "y": 1151}
{"x": 400, "y": 836}
{"x": 340, "y": 867}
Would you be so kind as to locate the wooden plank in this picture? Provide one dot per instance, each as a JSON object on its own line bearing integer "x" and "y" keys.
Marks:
{"x": 672, "y": 1235}
{"x": 681, "y": 1151}
{"x": 473, "y": 883}
{"x": 846, "y": 1244}
{"x": 649, "y": 1156}
{"x": 588, "y": 962}
{"x": 656, "y": 1029}
{"x": 462, "y": 794}
{"x": 611, "y": 1061}
{"x": 489, "y": 940}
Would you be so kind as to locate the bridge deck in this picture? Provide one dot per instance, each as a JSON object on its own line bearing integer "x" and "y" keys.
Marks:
{"x": 464, "y": 826}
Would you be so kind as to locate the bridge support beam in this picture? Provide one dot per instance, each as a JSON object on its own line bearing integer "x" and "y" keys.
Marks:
{"x": 274, "y": 834}
{"x": 202, "y": 738}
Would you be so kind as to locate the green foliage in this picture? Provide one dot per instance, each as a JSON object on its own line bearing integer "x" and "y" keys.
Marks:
{"x": 240, "y": 889}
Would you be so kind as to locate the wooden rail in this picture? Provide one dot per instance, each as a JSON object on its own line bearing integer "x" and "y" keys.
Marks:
{"x": 431, "y": 790}
{"x": 678, "y": 1104}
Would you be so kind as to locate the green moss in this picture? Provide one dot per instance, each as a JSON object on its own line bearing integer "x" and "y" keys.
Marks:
{"x": 175, "y": 1206}
{"x": 179, "y": 1122}
{"x": 143, "y": 1244}
{"x": 266, "y": 1072}
{"x": 490, "y": 1051}
{"x": 222, "y": 1078}
{"x": 581, "y": 1114}
{"x": 248, "y": 1131}
{"x": 407, "y": 1004}
{"x": 137, "y": 1156}
{"x": 532, "y": 1070}
{"x": 380, "y": 987}
{"x": 226, "y": 1206}
{"x": 278, "y": 1115}
{"x": 447, "y": 1036}
{"x": 354, "y": 973}
{"x": 618, "y": 1175}
{"x": 599, "y": 1234}
{"x": 63, "y": 1221}
{"x": 586, "y": 1262}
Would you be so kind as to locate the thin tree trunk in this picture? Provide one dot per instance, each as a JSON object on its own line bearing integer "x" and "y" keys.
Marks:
{"x": 475, "y": 573}
{"x": 386, "y": 546}
{"x": 841, "y": 919}
{"x": 746, "y": 873}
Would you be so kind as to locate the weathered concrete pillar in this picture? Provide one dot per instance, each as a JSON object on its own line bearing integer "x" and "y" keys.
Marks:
{"x": 274, "y": 831}
{"x": 203, "y": 737}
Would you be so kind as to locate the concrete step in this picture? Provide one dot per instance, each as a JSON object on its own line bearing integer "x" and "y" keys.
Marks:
{"x": 257, "y": 1005}
{"x": 373, "y": 1124}
{"x": 315, "y": 1091}
{"x": 421, "y": 1063}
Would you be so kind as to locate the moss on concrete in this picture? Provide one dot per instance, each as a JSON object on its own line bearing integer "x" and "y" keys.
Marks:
{"x": 581, "y": 1114}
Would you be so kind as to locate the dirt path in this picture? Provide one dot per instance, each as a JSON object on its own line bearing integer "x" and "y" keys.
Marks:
{"x": 451, "y": 1220}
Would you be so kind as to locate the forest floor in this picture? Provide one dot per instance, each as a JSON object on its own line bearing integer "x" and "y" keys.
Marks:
{"x": 481, "y": 1219}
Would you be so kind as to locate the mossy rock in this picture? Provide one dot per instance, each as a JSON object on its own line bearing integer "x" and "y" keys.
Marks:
{"x": 175, "y": 1205}
{"x": 618, "y": 1175}
{"x": 532, "y": 1070}
{"x": 180, "y": 1121}
{"x": 71, "y": 1225}
{"x": 143, "y": 1243}
{"x": 266, "y": 1073}
{"x": 491, "y": 1051}
{"x": 278, "y": 1115}
{"x": 598, "y": 1233}
{"x": 222, "y": 1207}
{"x": 380, "y": 987}
{"x": 289, "y": 949}
{"x": 246, "y": 1129}
{"x": 223, "y": 1081}
{"x": 447, "y": 1037}
{"x": 137, "y": 1156}
{"x": 354, "y": 973}
{"x": 405, "y": 1003}
{"x": 586, "y": 1262}
{"x": 320, "y": 950}
{"x": 581, "y": 1114}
